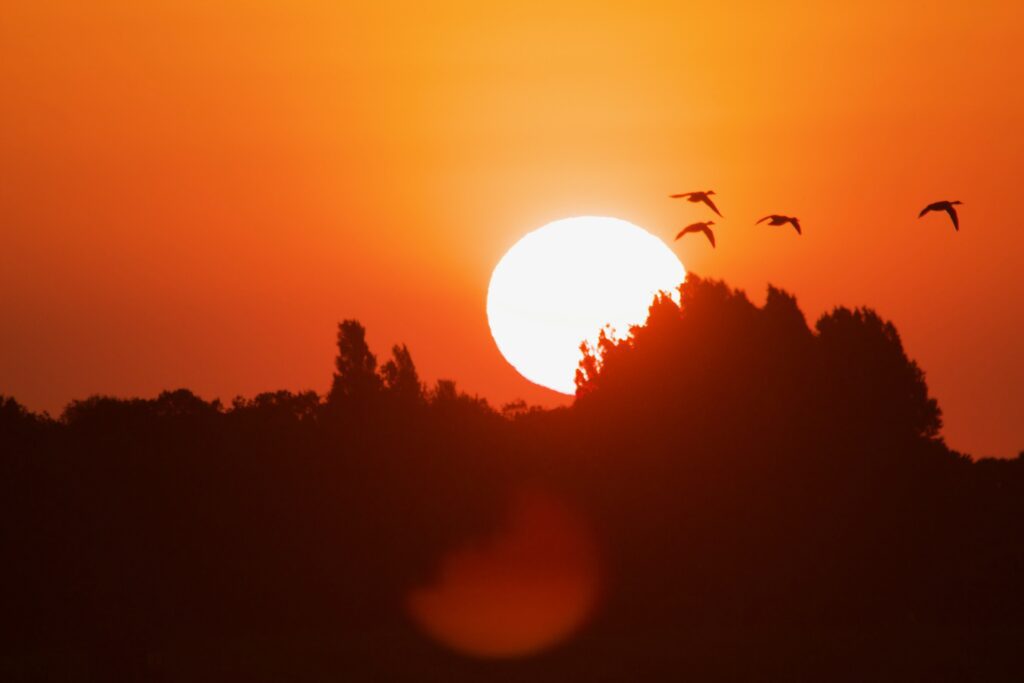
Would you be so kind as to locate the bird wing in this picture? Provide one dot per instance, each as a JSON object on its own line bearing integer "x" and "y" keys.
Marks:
{"x": 688, "y": 228}
{"x": 925, "y": 210}
{"x": 707, "y": 200}
{"x": 693, "y": 227}
{"x": 951, "y": 210}
{"x": 711, "y": 236}
{"x": 762, "y": 220}
{"x": 681, "y": 195}
{"x": 796, "y": 224}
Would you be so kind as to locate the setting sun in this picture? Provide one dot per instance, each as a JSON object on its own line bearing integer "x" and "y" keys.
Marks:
{"x": 561, "y": 284}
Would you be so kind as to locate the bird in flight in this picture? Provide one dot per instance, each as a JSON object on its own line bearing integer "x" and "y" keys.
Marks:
{"x": 703, "y": 226}
{"x": 698, "y": 197}
{"x": 776, "y": 219}
{"x": 944, "y": 206}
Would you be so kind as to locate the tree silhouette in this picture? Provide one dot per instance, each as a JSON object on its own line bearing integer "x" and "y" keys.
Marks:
{"x": 400, "y": 377}
{"x": 355, "y": 367}
{"x": 773, "y": 502}
{"x": 869, "y": 369}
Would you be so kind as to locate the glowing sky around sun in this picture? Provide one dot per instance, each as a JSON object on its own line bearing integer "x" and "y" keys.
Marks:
{"x": 195, "y": 193}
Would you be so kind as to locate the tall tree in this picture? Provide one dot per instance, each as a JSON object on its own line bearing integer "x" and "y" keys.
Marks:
{"x": 400, "y": 376}
{"x": 355, "y": 367}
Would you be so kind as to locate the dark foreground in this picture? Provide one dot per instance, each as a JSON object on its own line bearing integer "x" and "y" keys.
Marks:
{"x": 772, "y": 503}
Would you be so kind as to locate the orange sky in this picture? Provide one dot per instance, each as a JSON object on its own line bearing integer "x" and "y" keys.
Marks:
{"x": 193, "y": 193}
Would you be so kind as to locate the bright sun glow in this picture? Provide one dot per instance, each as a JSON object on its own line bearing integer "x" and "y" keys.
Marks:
{"x": 560, "y": 284}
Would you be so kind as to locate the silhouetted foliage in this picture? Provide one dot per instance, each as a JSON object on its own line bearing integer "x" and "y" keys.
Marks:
{"x": 355, "y": 367}
{"x": 400, "y": 377}
{"x": 868, "y": 368}
{"x": 15, "y": 418}
{"x": 774, "y": 502}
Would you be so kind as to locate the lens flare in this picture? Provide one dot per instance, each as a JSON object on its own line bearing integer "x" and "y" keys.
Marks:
{"x": 526, "y": 589}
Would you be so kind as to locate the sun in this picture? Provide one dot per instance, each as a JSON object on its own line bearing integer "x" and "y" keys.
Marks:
{"x": 561, "y": 284}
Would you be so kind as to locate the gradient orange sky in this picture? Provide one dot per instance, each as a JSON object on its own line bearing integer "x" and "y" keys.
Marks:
{"x": 194, "y": 193}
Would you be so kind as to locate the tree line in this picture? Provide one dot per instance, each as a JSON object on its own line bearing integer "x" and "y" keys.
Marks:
{"x": 774, "y": 501}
